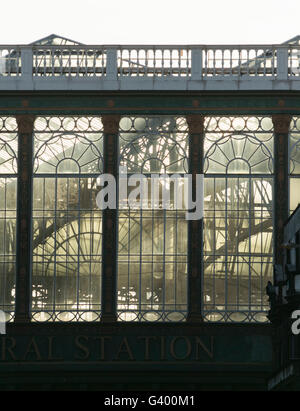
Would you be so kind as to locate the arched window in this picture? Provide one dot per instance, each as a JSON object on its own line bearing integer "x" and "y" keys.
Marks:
{"x": 238, "y": 249}
{"x": 152, "y": 255}
{"x": 67, "y": 225}
{"x": 8, "y": 204}
{"x": 294, "y": 163}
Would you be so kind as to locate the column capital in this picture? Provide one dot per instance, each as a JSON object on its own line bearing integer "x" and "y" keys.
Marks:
{"x": 25, "y": 123}
{"x": 281, "y": 123}
{"x": 195, "y": 123}
{"x": 111, "y": 123}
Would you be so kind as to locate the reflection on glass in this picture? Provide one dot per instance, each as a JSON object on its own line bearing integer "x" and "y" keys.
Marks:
{"x": 8, "y": 200}
{"x": 294, "y": 193}
{"x": 67, "y": 225}
{"x": 238, "y": 249}
{"x": 8, "y": 191}
{"x": 152, "y": 254}
{"x": 294, "y": 163}
{"x": 238, "y": 243}
{"x": 152, "y": 263}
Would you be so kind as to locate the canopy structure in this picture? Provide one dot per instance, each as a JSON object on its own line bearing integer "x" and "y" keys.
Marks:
{"x": 55, "y": 40}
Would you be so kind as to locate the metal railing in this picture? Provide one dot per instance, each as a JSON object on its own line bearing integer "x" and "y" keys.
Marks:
{"x": 172, "y": 62}
{"x": 152, "y": 61}
{"x": 239, "y": 61}
{"x": 10, "y": 61}
{"x": 75, "y": 62}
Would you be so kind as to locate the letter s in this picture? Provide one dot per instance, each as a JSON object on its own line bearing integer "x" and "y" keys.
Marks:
{"x": 295, "y": 325}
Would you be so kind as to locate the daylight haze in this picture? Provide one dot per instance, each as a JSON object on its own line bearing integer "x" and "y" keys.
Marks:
{"x": 153, "y": 22}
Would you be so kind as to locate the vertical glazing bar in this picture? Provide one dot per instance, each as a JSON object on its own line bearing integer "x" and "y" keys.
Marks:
{"x": 55, "y": 242}
{"x": 164, "y": 292}
{"x": 110, "y": 223}
{"x": 128, "y": 257}
{"x": 251, "y": 211}
{"x": 140, "y": 301}
{"x": 195, "y": 227}
{"x": 227, "y": 261}
{"x": 80, "y": 251}
{"x": 174, "y": 261}
{"x": 24, "y": 220}
{"x": 215, "y": 234}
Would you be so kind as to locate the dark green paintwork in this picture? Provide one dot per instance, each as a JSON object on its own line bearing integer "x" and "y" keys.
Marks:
{"x": 153, "y": 102}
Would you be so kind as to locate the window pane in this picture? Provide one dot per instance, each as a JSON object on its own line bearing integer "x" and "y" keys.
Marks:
{"x": 8, "y": 195}
{"x": 152, "y": 255}
{"x": 294, "y": 146}
{"x": 67, "y": 224}
{"x": 238, "y": 248}
{"x": 8, "y": 214}
{"x": 294, "y": 193}
{"x": 294, "y": 162}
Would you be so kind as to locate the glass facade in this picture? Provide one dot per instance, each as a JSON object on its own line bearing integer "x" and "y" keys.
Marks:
{"x": 152, "y": 257}
{"x": 153, "y": 242}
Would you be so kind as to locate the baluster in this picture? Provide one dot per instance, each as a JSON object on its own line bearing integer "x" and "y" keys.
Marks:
{"x": 222, "y": 62}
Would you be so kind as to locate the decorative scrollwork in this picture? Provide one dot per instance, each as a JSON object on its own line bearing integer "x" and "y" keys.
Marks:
{"x": 68, "y": 145}
{"x": 154, "y": 144}
{"x": 294, "y": 146}
{"x": 231, "y": 147}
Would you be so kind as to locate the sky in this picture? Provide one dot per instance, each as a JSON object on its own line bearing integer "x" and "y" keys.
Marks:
{"x": 151, "y": 22}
